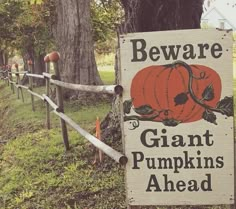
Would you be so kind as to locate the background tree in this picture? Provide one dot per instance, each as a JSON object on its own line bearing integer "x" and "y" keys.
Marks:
{"x": 9, "y": 12}
{"x": 24, "y": 28}
{"x": 106, "y": 15}
{"x": 33, "y": 35}
{"x": 73, "y": 33}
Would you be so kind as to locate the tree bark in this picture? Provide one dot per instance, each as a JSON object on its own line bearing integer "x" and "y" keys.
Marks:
{"x": 38, "y": 63}
{"x": 39, "y": 68}
{"x": 3, "y": 57}
{"x": 159, "y": 15}
{"x": 73, "y": 35}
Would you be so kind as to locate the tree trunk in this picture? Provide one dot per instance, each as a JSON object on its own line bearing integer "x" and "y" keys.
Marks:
{"x": 6, "y": 57}
{"x": 39, "y": 68}
{"x": 159, "y": 15}
{"x": 38, "y": 63}
{"x": 3, "y": 57}
{"x": 73, "y": 35}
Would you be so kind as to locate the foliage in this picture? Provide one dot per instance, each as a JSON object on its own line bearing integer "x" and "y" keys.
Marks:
{"x": 33, "y": 30}
{"x": 27, "y": 25}
{"x": 9, "y": 11}
{"x": 24, "y": 25}
{"x": 106, "y": 16}
{"x": 105, "y": 59}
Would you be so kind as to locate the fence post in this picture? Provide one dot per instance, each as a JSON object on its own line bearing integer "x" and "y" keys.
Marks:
{"x": 30, "y": 69}
{"x": 47, "y": 62}
{"x": 54, "y": 57}
{"x": 19, "y": 89}
{"x": 4, "y": 72}
{"x": 17, "y": 80}
{"x": 7, "y": 75}
{"x": 11, "y": 79}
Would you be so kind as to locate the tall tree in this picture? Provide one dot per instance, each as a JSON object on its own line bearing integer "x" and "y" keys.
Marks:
{"x": 34, "y": 34}
{"x": 9, "y": 12}
{"x": 74, "y": 40}
{"x": 23, "y": 27}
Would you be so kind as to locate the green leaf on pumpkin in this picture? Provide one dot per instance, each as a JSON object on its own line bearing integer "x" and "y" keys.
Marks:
{"x": 127, "y": 106}
{"x": 226, "y": 106}
{"x": 209, "y": 116}
{"x": 181, "y": 99}
{"x": 208, "y": 93}
{"x": 144, "y": 110}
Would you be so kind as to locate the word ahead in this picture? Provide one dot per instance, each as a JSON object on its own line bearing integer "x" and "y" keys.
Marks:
{"x": 173, "y": 52}
{"x": 181, "y": 186}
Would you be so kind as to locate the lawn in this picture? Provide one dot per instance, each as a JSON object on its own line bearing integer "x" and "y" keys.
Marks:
{"x": 35, "y": 170}
{"x": 108, "y": 76}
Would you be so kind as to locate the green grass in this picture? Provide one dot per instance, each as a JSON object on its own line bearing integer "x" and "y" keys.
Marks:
{"x": 108, "y": 77}
{"x": 105, "y": 59}
{"x": 37, "y": 173}
{"x": 35, "y": 170}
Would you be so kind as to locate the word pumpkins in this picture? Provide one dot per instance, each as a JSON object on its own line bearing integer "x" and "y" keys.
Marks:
{"x": 176, "y": 93}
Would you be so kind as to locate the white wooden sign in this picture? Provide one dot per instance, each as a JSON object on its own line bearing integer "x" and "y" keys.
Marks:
{"x": 178, "y": 117}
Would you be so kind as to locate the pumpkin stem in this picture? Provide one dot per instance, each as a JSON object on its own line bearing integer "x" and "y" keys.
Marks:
{"x": 191, "y": 77}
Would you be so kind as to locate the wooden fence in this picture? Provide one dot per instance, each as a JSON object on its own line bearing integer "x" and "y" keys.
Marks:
{"x": 58, "y": 107}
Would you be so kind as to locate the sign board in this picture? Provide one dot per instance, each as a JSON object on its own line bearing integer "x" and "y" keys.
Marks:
{"x": 178, "y": 117}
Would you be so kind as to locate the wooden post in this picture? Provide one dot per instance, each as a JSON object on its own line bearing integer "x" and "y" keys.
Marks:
{"x": 19, "y": 90}
{"x": 7, "y": 75}
{"x": 17, "y": 80}
{"x": 13, "y": 88}
{"x": 10, "y": 78}
{"x": 47, "y": 62}
{"x": 30, "y": 66}
{"x": 22, "y": 95}
{"x": 54, "y": 57}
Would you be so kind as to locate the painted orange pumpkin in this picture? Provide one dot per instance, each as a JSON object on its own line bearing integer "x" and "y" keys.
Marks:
{"x": 175, "y": 93}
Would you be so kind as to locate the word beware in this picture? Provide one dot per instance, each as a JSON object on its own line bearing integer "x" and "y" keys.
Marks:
{"x": 173, "y": 52}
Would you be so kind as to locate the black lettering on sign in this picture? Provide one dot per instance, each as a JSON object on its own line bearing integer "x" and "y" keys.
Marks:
{"x": 165, "y": 184}
{"x": 174, "y": 52}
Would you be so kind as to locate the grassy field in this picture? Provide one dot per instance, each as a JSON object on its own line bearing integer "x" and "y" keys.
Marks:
{"x": 108, "y": 77}
{"x": 36, "y": 172}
